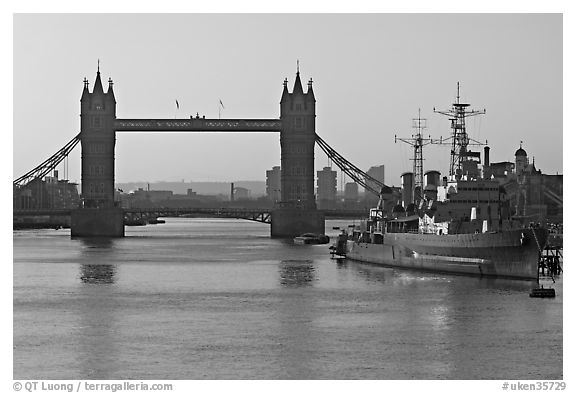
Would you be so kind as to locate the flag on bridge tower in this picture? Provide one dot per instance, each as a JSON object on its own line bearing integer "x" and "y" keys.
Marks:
{"x": 177, "y": 109}
{"x": 220, "y": 107}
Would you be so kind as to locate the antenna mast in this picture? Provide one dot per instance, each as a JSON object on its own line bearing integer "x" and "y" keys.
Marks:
{"x": 418, "y": 142}
{"x": 460, "y": 139}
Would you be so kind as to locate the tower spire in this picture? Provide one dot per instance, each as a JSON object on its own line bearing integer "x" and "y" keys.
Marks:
{"x": 297, "y": 83}
{"x": 310, "y": 92}
{"x": 285, "y": 94}
{"x": 85, "y": 91}
{"x": 98, "y": 83}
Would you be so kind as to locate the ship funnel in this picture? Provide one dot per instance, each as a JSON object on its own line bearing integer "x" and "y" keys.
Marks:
{"x": 407, "y": 188}
{"x": 432, "y": 183}
{"x": 486, "y": 172}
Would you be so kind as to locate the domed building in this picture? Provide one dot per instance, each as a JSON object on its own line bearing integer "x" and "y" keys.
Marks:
{"x": 521, "y": 160}
{"x": 532, "y": 195}
{"x": 538, "y": 196}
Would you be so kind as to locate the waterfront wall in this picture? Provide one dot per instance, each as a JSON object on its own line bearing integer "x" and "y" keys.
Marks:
{"x": 38, "y": 222}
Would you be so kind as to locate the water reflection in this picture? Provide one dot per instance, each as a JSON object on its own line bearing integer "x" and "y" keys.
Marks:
{"x": 96, "y": 242}
{"x": 369, "y": 272}
{"x": 98, "y": 274}
{"x": 297, "y": 273}
{"x": 96, "y": 338}
{"x": 379, "y": 273}
{"x": 297, "y": 311}
{"x": 97, "y": 250}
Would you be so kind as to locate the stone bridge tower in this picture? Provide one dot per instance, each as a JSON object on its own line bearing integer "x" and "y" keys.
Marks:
{"x": 98, "y": 139}
{"x": 297, "y": 211}
{"x": 98, "y": 215}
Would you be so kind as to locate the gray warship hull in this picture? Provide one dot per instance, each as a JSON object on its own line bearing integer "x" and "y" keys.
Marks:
{"x": 512, "y": 254}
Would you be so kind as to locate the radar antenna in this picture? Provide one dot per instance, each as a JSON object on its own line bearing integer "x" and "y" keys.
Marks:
{"x": 418, "y": 142}
{"x": 460, "y": 139}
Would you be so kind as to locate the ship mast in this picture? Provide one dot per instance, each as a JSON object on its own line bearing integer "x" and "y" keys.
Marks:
{"x": 417, "y": 142}
{"x": 460, "y": 139}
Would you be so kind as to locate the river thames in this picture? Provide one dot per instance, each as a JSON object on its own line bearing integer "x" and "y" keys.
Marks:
{"x": 220, "y": 299}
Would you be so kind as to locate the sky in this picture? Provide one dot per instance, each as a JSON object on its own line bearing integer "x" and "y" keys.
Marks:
{"x": 371, "y": 72}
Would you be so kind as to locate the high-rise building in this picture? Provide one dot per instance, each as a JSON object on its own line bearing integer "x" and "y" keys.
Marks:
{"x": 326, "y": 191}
{"x": 273, "y": 189}
{"x": 351, "y": 192}
{"x": 377, "y": 172}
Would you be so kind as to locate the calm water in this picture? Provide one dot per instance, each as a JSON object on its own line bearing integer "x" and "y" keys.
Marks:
{"x": 219, "y": 299}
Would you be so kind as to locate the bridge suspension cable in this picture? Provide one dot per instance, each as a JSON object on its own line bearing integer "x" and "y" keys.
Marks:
{"x": 48, "y": 165}
{"x": 359, "y": 176}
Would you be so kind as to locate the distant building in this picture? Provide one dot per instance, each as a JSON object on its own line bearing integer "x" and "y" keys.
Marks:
{"x": 533, "y": 195}
{"x": 152, "y": 195}
{"x": 377, "y": 172}
{"x": 326, "y": 190}
{"x": 163, "y": 198}
{"x": 50, "y": 193}
{"x": 351, "y": 192}
{"x": 521, "y": 160}
{"x": 273, "y": 190}
{"x": 241, "y": 193}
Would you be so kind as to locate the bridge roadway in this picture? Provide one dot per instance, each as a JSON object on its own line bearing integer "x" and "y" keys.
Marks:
{"x": 259, "y": 215}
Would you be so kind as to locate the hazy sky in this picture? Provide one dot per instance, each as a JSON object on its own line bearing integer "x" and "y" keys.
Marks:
{"x": 371, "y": 73}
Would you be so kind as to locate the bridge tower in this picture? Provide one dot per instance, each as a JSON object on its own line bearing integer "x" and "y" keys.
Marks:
{"x": 97, "y": 216}
{"x": 297, "y": 212}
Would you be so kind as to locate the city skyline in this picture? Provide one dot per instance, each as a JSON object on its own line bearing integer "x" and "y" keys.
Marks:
{"x": 509, "y": 64}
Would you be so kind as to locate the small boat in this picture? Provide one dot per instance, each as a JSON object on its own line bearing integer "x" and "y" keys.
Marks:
{"x": 156, "y": 221}
{"x": 311, "y": 238}
{"x": 543, "y": 292}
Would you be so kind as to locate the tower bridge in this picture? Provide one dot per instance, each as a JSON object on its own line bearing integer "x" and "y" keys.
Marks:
{"x": 296, "y": 213}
